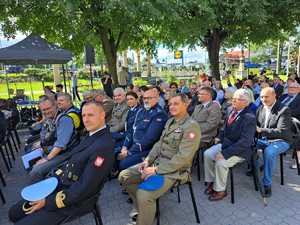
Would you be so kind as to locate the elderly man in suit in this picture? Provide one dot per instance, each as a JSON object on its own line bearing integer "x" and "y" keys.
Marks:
{"x": 234, "y": 147}
{"x": 208, "y": 115}
{"x": 274, "y": 124}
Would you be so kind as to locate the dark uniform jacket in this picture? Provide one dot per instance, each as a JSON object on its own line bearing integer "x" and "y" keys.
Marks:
{"x": 279, "y": 124}
{"x": 294, "y": 105}
{"x": 83, "y": 175}
{"x": 238, "y": 137}
{"x": 128, "y": 125}
{"x": 147, "y": 128}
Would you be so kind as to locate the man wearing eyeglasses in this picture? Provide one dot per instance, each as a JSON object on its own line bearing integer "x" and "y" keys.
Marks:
{"x": 234, "y": 147}
{"x": 208, "y": 115}
{"x": 147, "y": 128}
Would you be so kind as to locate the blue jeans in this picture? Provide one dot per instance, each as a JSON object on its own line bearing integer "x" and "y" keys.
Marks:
{"x": 272, "y": 150}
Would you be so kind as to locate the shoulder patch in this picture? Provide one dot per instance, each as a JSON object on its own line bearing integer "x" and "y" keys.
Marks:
{"x": 191, "y": 135}
{"x": 98, "y": 161}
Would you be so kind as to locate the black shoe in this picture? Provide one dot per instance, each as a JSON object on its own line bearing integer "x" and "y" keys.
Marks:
{"x": 124, "y": 192}
{"x": 249, "y": 173}
{"x": 129, "y": 200}
{"x": 268, "y": 191}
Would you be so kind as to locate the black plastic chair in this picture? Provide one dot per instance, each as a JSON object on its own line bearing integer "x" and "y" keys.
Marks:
{"x": 200, "y": 155}
{"x": 95, "y": 211}
{"x": 254, "y": 168}
{"x": 296, "y": 137}
{"x": 2, "y": 197}
{"x": 189, "y": 183}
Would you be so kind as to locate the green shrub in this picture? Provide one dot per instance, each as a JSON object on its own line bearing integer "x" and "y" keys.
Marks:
{"x": 39, "y": 74}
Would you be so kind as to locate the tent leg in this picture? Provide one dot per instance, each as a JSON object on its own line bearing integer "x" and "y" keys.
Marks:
{"x": 64, "y": 75}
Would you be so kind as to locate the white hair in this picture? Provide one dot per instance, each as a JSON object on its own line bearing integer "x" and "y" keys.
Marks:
{"x": 243, "y": 94}
{"x": 119, "y": 90}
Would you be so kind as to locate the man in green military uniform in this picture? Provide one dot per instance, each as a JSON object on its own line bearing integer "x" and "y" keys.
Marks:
{"x": 170, "y": 157}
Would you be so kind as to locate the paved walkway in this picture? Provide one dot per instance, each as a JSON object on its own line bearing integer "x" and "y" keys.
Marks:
{"x": 283, "y": 208}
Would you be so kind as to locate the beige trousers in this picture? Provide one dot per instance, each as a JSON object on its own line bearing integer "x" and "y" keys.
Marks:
{"x": 217, "y": 171}
{"x": 143, "y": 201}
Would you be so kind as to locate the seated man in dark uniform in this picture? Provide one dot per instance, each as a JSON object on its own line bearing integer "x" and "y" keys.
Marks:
{"x": 147, "y": 128}
{"x": 80, "y": 178}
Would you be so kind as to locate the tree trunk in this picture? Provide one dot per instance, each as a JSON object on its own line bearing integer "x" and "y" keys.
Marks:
{"x": 213, "y": 43}
{"x": 110, "y": 52}
{"x": 138, "y": 58}
{"x": 148, "y": 59}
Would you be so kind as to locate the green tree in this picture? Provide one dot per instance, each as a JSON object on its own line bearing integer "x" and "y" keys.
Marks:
{"x": 72, "y": 23}
{"x": 216, "y": 23}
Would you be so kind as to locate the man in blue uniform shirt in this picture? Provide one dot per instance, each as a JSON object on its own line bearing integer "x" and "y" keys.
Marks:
{"x": 147, "y": 128}
{"x": 62, "y": 137}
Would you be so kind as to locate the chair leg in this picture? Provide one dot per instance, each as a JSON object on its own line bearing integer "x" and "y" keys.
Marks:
{"x": 97, "y": 215}
{"x": 4, "y": 159}
{"x": 231, "y": 185}
{"x": 198, "y": 166}
{"x": 297, "y": 162}
{"x": 2, "y": 178}
{"x": 8, "y": 156}
{"x": 14, "y": 142}
{"x": 157, "y": 212}
{"x": 194, "y": 202}
{"x": 11, "y": 149}
{"x": 14, "y": 139}
{"x": 2, "y": 197}
{"x": 17, "y": 137}
{"x": 254, "y": 172}
{"x": 178, "y": 194}
{"x": 281, "y": 170}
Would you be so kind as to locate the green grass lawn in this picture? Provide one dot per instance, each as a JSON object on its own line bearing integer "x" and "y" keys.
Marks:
{"x": 37, "y": 87}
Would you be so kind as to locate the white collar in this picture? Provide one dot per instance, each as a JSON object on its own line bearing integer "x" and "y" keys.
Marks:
{"x": 269, "y": 108}
{"x": 91, "y": 133}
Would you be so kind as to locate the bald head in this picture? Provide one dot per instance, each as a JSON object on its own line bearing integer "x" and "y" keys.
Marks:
{"x": 268, "y": 96}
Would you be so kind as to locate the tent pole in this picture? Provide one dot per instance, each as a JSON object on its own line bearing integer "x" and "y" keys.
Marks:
{"x": 91, "y": 75}
{"x": 64, "y": 75}
{"x": 7, "y": 83}
{"x": 30, "y": 83}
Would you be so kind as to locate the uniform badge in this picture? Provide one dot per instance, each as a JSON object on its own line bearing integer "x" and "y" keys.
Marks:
{"x": 191, "y": 135}
{"x": 178, "y": 130}
{"x": 99, "y": 161}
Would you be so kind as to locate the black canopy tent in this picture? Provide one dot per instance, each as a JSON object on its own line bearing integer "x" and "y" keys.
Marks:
{"x": 35, "y": 50}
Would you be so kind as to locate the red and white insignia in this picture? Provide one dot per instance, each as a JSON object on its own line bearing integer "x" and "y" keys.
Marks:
{"x": 192, "y": 135}
{"x": 99, "y": 161}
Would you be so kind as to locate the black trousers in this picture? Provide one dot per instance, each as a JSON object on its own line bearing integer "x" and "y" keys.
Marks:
{"x": 41, "y": 217}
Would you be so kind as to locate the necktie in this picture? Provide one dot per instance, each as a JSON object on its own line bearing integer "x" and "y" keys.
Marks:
{"x": 232, "y": 117}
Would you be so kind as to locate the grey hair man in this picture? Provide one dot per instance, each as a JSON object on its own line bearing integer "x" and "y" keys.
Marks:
{"x": 234, "y": 145}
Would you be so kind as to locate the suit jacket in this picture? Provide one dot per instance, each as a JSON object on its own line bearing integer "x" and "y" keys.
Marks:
{"x": 294, "y": 105}
{"x": 279, "y": 124}
{"x": 83, "y": 174}
{"x": 209, "y": 118}
{"x": 238, "y": 137}
{"x": 278, "y": 90}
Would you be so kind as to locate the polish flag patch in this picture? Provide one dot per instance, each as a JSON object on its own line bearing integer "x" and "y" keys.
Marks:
{"x": 99, "y": 161}
{"x": 191, "y": 135}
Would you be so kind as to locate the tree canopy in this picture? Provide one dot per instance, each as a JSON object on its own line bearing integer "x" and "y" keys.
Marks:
{"x": 119, "y": 24}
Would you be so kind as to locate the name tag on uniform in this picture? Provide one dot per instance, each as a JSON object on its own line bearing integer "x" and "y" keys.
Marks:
{"x": 178, "y": 130}
{"x": 146, "y": 120}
